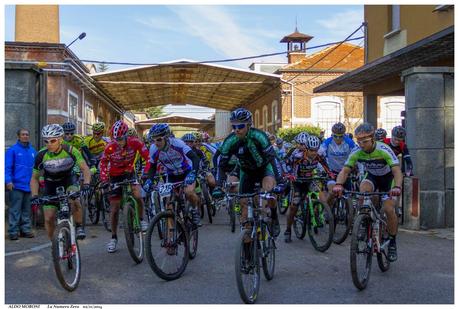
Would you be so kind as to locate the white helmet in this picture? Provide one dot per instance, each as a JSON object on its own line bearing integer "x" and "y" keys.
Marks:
{"x": 52, "y": 130}
{"x": 313, "y": 142}
{"x": 302, "y": 138}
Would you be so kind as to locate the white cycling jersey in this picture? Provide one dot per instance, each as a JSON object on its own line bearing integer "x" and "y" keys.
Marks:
{"x": 172, "y": 157}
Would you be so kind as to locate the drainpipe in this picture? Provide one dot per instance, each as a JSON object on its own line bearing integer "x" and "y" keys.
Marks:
{"x": 292, "y": 102}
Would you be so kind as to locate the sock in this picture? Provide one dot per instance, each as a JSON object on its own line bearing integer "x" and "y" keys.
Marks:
{"x": 114, "y": 237}
{"x": 392, "y": 238}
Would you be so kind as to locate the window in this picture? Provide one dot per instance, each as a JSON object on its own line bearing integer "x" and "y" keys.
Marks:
{"x": 274, "y": 112}
{"x": 257, "y": 118}
{"x": 265, "y": 117}
{"x": 89, "y": 116}
{"x": 73, "y": 107}
{"x": 326, "y": 111}
{"x": 391, "y": 109}
{"x": 395, "y": 18}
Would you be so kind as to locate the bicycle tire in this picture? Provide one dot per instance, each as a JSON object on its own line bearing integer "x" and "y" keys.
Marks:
{"x": 232, "y": 215}
{"x": 280, "y": 205}
{"x": 269, "y": 261}
{"x": 93, "y": 209}
{"x": 193, "y": 237}
{"x": 381, "y": 257}
{"x": 299, "y": 224}
{"x": 343, "y": 220}
{"x": 182, "y": 238}
{"x": 241, "y": 268}
{"x": 207, "y": 200}
{"x": 362, "y": 224}
{"x": 62, "y": 249}
{"x": 105, "y": 213}
{"x": 131, "y": 233}
{"x": 324, "y": 228}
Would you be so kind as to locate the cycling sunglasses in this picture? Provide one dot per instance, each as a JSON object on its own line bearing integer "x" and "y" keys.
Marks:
{"x": 50, "y": 141}
{"x": 364, "y": 141}
{"x": 69, "y": 133}
{"x": 338, "y": 135}
{"x": 238, "y": 126}
{"x": 158, "y": 140}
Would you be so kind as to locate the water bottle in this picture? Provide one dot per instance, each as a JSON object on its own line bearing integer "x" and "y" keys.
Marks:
{"x": 376, "y": 235}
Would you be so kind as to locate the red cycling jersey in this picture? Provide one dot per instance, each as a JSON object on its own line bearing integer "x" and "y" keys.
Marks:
{"x": 400, "y": 149}
{"x": 117, "y": 161}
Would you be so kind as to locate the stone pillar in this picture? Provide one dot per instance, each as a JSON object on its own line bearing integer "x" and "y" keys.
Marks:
{"x": 429, "y": 103}
{"x": 370, "y": 109}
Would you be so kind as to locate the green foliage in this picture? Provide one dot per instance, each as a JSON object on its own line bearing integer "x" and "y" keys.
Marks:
{"x": 153, "y": 112}
{"x": 288, "y": 134}
{"x": 102, "y": 67}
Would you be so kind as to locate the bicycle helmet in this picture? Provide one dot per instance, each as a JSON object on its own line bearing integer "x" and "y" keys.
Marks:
{"x": 52, "y": 130}
{"x": 189, "y": 137}
{"x": 69, "y": 127}
{"x": 241, "y": 115}
{"x": 197, "y": 136}
{"x": 132, "y": 132}
{"x": 159, "y": 130}
{"x": 119, "y": 129}
{"x": 313, "y": 142}
{"x": 205, "y": 137}
{"x": 380, "y": 134}
{"x": 98, "y": 127}
{"x": 339, "y": 128}
{"x": 302, "y": 138}
{"x": 399, "y": 132}
{"x": 279, "y": 141}
{"x": 364, "y": 130}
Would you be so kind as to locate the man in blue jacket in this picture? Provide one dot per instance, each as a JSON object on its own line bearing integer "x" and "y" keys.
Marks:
{"x": 19, "y": 161}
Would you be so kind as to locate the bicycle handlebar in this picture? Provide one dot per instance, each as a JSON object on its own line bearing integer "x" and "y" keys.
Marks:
{"x": 56, "y": 198}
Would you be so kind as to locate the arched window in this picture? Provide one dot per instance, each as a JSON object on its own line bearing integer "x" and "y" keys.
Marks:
{"x": 391, "y": 108}
{"x": 265, "y": 117}
{"x": 274, "y": 116}
{"x": 257, "y": 118}
{"x": 326, "y": 111}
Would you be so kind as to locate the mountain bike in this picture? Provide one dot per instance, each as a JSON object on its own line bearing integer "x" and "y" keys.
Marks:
{"x": 202, "y": 189}
{"x": 172, "y": 237}
{"x": 64, "y": 248}
{"x": 131, "y": 219}
{"x": 369, "y": 236}
{"x": 231, "y": 204}
{"x": 93, "y": 200}
{"x": 255, "y": 246}
{"x": 314, "y": 216}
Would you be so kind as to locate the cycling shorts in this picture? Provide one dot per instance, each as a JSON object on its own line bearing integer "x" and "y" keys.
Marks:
{"x": 248, "y": 179}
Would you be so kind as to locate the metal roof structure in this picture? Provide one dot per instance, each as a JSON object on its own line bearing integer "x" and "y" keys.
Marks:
{"x": 185, "y": 82}
{"x": 424, "y": 52}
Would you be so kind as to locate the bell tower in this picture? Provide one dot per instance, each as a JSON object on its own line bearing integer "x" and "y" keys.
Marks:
{"x": 296, "y": 45}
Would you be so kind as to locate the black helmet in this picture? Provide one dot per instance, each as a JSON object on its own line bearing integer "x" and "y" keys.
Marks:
{"x": 339, "y": 128}
{"x": 364, "y": 130}
{"x": 69, "y": 127}
{"x": 241, "y": 115}
{"x": 380, "y": 134}
{"x": 399, "y": 132}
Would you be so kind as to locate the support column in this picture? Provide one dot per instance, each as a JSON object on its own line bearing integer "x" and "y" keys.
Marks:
{"x": 370, "y": 109}
{"x": 429, "y": 104}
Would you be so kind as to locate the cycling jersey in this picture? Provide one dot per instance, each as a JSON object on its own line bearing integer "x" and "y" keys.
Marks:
{"x": 208, "y": 150}
{"x": 79, "y": 143}
{"x": 117, "y": 160}
{"x": 335, "y": 154}
{"x": 173, "y": 157}
{"x": 302, "y": 166}
{"x": 57, "y": 166}
{"x": 96, "y": 148}
{"x": 379, "y": 162}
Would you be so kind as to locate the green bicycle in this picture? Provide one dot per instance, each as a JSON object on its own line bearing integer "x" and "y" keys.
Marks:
{"x": 314, "y": 216}
{"x": 131, "y": 216}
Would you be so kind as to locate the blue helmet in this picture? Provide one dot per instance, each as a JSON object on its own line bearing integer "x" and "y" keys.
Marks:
{"x": 189, "y": 137}
{"x": 158, "y": 130}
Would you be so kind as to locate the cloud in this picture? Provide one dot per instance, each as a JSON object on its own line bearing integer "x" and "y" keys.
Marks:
{"x": 158, "y": 23}
{"x": 340, "y": 25}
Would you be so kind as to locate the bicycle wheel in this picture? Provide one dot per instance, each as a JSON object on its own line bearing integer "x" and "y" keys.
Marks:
{"x": 320, "y": 226}
{"x": 341, "y": 219}
{"x": 66, "y": 257}
{"x": 299, "y": 224}
{"x": 193, "y": 240}
{"x": 268, "y": 259}
{"x": 361, "y": 251}
{"x": 247, "y": 268}
{"x": 207, "y": 200}
{"x": 133, "y": 233}
{"x": 232, "y": 215}
{"x": 167, "y": 246}
{"x": 381, "y": 256}
{"x": 93, "y": 209}
{"x": 105, "y": 213}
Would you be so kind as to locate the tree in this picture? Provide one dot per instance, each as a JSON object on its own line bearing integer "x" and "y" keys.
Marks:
{"x": 102, "y": 67}
{"x": 288, "y": 134}
{"x": 153, "y": 112}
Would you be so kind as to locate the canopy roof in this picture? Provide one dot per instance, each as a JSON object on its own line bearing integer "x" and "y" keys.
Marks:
{"x": 185, "y": 82}
{"x": 176, "y": 121}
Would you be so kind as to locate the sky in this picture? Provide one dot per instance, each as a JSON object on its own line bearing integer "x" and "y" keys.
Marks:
{"x": 159, "y": 33}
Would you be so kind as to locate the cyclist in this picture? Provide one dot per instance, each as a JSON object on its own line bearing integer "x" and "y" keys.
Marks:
{"x": 256, "y": 161}
{"x": 280, "y": 149}
{"x": 179, "y": 160}
{"x": 336, "y": 150}
{"x": 305, "y": 163}
{"x": 398, "y": 146}
{"x": 77, "y": 141}
{"x": 380, "y": 134}
{"x": 116, "y": 165}
{"x": 57, "y": 160}
{"x": 382, "y": 170}
{"x": 96, "y": 142}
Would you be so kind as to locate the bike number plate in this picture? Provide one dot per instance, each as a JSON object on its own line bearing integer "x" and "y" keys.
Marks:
{"x": 165, "y": 189}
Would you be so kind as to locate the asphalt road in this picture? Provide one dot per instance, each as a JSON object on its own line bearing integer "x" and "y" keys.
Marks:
{"x": 424, "y": 273}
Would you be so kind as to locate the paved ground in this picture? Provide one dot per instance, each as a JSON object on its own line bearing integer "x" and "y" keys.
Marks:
{"x": 424, "y": 273}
